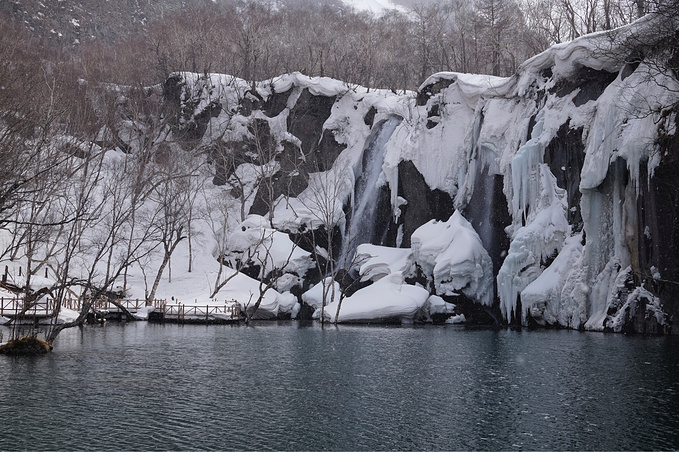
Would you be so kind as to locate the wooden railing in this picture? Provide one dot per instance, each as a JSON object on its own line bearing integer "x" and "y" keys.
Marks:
{"x": 11, "y": 307}
{"x": 46, "y": 307}
{"x": 104, "y": 304}
{"x": 182, "y": 312}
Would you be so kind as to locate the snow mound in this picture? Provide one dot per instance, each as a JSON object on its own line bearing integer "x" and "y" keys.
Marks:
{"x": 143, "y": 313}
{"x": 436, "y": 306}
{"x": 246, "y": 291}
{"x": 325, "y": 291}
{"x": 450, "y": 254}
{"x": 456, "y": 319}
{"x": 387, "y": 299}
{"x": 67, "y": 315}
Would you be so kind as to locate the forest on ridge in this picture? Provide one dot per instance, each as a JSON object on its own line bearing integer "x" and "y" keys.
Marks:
{"x": 141, "y": 43}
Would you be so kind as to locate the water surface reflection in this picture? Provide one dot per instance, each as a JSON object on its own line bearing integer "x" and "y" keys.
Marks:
{"x": 284, "y": 386}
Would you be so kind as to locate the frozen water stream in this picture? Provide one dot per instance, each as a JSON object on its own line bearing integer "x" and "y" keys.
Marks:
{"x": 366, "y": 192}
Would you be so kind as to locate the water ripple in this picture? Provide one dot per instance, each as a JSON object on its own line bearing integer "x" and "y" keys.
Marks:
{"x": 279, "y": 387}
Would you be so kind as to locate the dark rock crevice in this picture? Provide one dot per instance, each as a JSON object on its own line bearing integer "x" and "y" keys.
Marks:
{"x": 276, "y": 103}
{"x": 589, "y": 82}
{"x": 565, "y": 156}
{"x": 432, "y": 89}
{"x": 305, "y": 121}
{"x": 423, "y": 203}
{"x": 489, "y": 205}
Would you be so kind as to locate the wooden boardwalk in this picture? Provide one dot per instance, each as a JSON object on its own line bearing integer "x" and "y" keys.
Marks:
{"x": 228, "y": 312}
{"x": 16, "y": 307}
{"x": 46, "y": 308}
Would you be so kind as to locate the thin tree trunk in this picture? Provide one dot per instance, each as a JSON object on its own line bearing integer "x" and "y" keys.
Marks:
{"x": 189, "y": 236}
{"x": 163, "y": 264}
{"x": 156, "y": 281}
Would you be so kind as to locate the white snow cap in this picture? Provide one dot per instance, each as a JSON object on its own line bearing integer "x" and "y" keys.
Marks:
{"x": 388, "y": 298}
{"x": 452, "y": 254}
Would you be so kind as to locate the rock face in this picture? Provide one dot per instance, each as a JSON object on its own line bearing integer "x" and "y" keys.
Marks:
{"x": 423, "y": 203}
{"x": 567, "y": 176}
{"x": 658, "y": 226}
{"x": 565, "y": 156}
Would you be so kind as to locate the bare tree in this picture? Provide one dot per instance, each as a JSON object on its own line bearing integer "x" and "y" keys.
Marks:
{"x": 324, "y": 199}
{"x": 88, "y": 244}
{"x": 218, "y": 208}
{"x": 173, "y": 196}
{"x": 272, "y": 268}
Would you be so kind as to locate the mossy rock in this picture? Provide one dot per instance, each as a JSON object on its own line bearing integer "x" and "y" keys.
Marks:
{"x": 27, "y": 345}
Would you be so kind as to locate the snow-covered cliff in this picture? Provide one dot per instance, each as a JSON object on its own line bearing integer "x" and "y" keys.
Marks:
{"x": 546, "y": 198}
{"x": 577, "y": 137}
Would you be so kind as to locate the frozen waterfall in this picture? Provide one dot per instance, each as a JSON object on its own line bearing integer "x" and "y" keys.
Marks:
{"x": 361, "y": 224}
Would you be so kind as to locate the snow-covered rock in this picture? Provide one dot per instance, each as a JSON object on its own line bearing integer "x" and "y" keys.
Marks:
{"x": 143, "y": 313}
{"x": 450, "y": 254}
{"x": 436, "y": 309}
{"x": 456, "y": 319}
{"x": 386, "y": 300}
{"x": 554, "y": 299}
{"x": 376, "y": 262}
{"x": 323, "y": 293}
